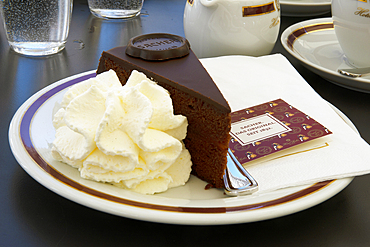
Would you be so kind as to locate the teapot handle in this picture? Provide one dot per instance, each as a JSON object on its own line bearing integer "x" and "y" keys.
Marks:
{"x": 208, "y": 3}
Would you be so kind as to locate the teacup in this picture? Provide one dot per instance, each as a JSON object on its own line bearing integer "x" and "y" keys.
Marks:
{"x": 351, "y": 20}
{"x": 232, "y": 27}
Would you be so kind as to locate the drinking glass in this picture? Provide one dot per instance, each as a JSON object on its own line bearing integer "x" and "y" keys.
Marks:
{"x": 36, "y": 27}
{"x": 115, "y": 9}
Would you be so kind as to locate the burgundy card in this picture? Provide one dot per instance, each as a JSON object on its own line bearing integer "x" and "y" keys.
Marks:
{"x": 272, "y": 127}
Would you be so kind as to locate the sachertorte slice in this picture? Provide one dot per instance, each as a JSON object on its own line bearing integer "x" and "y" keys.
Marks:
{"x": 193, "y": 92}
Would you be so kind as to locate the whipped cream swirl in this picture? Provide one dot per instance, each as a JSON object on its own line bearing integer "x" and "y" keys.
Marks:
{"x": 124, "y": 135}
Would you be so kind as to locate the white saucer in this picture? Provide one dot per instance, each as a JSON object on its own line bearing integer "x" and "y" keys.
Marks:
{"x": 31, "y": 133}
{"x": 301, "y": 8}
{"x": 315, "y": 44}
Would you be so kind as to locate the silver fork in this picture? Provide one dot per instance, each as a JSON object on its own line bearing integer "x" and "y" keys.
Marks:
{"x": 237, "y": 180}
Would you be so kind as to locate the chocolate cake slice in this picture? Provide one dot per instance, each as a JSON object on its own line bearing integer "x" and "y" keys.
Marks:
{"x": 169, "y": 61}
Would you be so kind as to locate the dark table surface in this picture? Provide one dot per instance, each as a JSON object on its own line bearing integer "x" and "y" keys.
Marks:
{"x": 32, "y": 215}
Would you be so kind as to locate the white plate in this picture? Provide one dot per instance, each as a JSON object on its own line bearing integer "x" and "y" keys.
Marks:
{"x": 31, "y": 134}
{"x": 301, "y": 8}
{"x": 315, "y": 44}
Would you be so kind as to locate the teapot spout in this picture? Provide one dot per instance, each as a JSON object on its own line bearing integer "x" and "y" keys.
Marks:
{"x": 208, "y": 3}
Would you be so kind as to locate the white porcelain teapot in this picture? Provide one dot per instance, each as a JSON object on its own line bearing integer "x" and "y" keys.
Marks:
{"x": 231, "y": 27}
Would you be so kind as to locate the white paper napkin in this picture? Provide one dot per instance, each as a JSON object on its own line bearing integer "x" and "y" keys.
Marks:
{"x": 248, "y": 81}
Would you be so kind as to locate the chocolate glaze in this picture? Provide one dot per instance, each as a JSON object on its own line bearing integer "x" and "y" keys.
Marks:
{"x": 185, "y": 73}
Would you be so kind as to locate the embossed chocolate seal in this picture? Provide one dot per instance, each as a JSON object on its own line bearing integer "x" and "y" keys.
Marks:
{"x": 158, "y": 46}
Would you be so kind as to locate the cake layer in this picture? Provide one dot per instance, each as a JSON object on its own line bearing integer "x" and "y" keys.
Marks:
{"x": 195, "y": 96}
